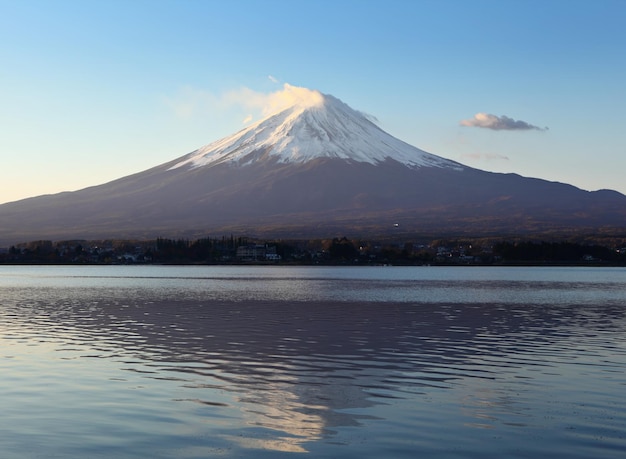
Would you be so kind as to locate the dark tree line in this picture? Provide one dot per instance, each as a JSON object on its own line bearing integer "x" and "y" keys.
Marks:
{"x": 199, "y": 250}
{"x": 554, "y": 252}
{"x": 328, "y": 251}
{"x": 342, "y": 250}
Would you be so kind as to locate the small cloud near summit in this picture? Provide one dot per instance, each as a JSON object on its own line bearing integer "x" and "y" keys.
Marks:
{"x": 499, "y": 123}
{"x": 190, "y": 102}
{"x": 273, "y": 102}
{"x": 369, "y": 116}
{"x": 293, "y": 95}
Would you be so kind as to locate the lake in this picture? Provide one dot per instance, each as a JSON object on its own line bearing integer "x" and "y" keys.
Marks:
{"x": 336, "y": 362}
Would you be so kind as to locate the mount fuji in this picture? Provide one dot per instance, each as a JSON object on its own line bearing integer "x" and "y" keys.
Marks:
{"x": 314, "y": 168}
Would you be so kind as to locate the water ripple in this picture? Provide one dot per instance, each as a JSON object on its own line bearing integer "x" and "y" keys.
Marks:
{"x": 147, "y": 372}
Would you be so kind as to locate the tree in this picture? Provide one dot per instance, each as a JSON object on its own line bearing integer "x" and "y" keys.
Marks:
{"x": 342, "y": 249}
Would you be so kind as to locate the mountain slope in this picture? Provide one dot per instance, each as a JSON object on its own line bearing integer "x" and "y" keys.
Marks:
{"x": 314, "y": 169}
{"x": 318, "y": 126}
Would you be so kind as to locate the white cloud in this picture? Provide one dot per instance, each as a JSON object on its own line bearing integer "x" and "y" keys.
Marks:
{"x": 291, "y": 95}
{"x": 190, "y": 102}
{"x": 499, "y": 123}
{"x": 273, "y": 79}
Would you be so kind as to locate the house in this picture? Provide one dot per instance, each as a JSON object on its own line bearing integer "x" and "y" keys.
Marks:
{"x": 257, "y": 252}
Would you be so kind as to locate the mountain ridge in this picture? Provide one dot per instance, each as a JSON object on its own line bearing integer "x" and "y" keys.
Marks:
{"x": 283, "y": 176}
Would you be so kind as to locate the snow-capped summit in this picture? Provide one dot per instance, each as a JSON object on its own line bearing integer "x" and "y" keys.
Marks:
{"x": 313, "y": 125}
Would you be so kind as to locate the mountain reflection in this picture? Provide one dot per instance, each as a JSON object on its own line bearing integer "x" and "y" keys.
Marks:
{"x": 296, "y": 369}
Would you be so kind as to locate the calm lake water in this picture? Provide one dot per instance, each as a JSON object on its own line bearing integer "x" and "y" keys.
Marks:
{"x": 266, "y": 362}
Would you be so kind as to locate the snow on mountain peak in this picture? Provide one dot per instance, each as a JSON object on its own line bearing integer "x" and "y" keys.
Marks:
{"x": 305, "y": 125}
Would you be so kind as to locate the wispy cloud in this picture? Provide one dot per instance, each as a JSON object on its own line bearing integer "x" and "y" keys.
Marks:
{"x": 190, "y": 102}
{"x": 484, "y": 157}
{"x": 273, "y": 79}
{"x": 269, "y": 103}
{"x": 499, "y": 123}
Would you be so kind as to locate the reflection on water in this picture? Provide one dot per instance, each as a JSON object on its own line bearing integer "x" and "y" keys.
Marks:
{"x": 161, "y": 364}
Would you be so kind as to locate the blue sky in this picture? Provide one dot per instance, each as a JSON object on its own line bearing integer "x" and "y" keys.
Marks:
{"x": 91, "y": 91}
